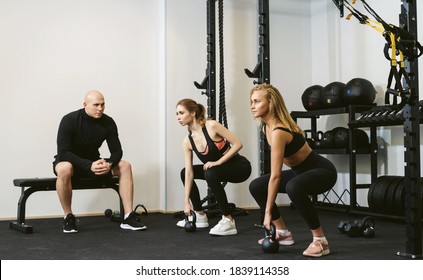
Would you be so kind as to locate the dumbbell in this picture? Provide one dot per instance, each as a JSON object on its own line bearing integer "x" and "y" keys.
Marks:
{"x": 363, "y": 228}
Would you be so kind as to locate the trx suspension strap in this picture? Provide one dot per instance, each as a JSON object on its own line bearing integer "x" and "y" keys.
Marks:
{"x": 401, "y": 43}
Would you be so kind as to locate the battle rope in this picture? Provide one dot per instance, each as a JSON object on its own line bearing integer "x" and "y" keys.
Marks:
{"x": 222, "y": 106}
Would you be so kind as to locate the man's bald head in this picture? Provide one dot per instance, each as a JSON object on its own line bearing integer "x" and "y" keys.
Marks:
{"x": 94, "y": 104}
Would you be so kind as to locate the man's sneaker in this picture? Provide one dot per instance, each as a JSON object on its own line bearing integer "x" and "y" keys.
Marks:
{"x": 283, "y": 239}
{"x": 69, "y": 224}
{"x": 317, "y": 249}
{"x": 133, "y": 223}
{"x": 224, "y": 227}
{"x": 201, "y": 221}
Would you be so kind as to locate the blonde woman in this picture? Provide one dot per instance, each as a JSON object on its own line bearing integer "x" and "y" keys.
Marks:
{"x": 309, "y": 173}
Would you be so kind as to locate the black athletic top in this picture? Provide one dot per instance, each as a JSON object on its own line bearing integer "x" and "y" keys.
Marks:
{"x": 295, "y": 145}
{"x": 80, "y": 137}
{"x": 214, "y": 153}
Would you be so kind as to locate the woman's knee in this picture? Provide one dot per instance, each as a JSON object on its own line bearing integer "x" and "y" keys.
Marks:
{"x": 294, "y": 190}
{"x": 211, "y": 175}
{"x": 256, "y": 187}
{"x": 183, "y": 174}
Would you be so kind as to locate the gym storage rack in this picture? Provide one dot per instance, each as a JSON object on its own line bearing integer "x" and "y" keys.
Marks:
{"x": 352, "y": 150}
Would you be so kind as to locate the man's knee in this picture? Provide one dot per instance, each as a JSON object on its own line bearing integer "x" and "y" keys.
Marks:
{"x": 124, "y": 167}
{"x": 64, "y": 169}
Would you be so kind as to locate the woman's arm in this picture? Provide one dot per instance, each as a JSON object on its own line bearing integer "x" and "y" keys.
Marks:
{"x": 216, "y": 130}
{"x": 189, "y": 174}
{"x": 278, "y": 142}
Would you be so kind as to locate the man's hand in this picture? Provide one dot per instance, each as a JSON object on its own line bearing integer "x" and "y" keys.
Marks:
{"x": 100, "y": 167}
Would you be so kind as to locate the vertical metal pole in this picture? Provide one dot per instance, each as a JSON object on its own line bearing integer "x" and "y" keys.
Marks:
{"x": 209, "y": 82}
{"x": 413, "y": 196}
{"x": 264, "y": 60}
{"x": 211, "y": 58}
{"x": 262, "y": 72}
{"x": 264, "y": 42}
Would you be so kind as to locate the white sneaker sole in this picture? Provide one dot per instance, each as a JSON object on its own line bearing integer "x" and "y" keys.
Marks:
{"x": 125, "y": 226}
{"x": 230, "y": 232}
{"x": 198, "y": 225}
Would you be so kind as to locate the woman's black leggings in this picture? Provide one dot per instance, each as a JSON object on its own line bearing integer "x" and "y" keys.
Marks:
{"x": 236, "y": 170}
{"x": 315, "y": 175}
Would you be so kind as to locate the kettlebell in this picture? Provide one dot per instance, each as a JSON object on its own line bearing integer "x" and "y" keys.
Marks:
{"x": 308, "y": 136}
{"x": 115, "y": 217}
{"x": 108, "y": 212}
{"x": 368, "y": 227}
{"x": 270, "y": 244}
{"x": 190, "y": 225}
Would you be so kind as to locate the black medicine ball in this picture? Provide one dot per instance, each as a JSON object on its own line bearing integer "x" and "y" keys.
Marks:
{"x": 359, "y": 91}
{"x": 361, "y": 138}
{"x": 311, "y": 97}
{"x": 341, "y": 137}
{"x": 333, "y": 95}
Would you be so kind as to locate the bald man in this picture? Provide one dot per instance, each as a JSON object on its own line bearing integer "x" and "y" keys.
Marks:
{"x": 80, "y": 136}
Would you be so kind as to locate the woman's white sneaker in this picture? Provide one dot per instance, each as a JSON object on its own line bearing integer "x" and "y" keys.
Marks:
{"x": 224, "y": 227}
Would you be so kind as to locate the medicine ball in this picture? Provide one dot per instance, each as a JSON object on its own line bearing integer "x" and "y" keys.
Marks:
{"x": 359, "y": 91}
{"x": 341, "y": 137}
{"x": 311, "y": 97}
{"x": 361, "y": 138}
{"x": 333, "y": 95}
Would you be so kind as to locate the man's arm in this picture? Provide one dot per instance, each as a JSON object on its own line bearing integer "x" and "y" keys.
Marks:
{"x": 114, "y": 144}
{"x": 64, "y": 145}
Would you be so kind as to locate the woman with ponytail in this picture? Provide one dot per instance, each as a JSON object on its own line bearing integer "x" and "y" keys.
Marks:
{"x": 217, "y": 148}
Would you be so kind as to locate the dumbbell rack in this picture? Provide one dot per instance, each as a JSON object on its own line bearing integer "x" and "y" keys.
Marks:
{"x": 353, "y": 112}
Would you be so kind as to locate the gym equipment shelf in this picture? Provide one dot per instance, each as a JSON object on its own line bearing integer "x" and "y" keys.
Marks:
{"x": 352, "y": 150}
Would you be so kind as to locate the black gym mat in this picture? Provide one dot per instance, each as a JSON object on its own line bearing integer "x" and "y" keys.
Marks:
{"x": 101, "y": 239}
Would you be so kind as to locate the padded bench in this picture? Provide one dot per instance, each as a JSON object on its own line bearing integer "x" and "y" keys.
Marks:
{"x": 31, "y": 185}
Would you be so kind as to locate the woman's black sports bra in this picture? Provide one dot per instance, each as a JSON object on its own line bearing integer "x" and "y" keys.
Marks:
{"x": 295, "y": 145}
{"x": 214, "y": 153}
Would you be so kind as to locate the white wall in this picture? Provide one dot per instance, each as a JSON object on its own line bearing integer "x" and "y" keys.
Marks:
{"x": 52, "y": 52}
{"x": 144, "y": 56}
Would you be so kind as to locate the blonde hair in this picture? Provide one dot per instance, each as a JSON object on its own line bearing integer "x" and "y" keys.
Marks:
{"x": 192, "y": 106}
{"x": 277, "y": 106}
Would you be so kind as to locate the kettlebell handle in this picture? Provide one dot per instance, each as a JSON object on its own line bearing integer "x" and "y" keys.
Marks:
{"x": 194, "y": 216}
{"x": 270, "y": 233}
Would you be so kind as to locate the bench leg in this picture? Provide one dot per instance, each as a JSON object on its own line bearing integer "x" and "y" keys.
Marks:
{"x": 20, "y": 223}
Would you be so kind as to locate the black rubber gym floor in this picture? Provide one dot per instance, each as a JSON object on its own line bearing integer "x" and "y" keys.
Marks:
{"x": 101, "y": 239}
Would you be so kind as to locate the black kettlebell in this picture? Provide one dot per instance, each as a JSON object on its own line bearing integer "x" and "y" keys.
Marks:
{"x": 308, "y": 136}
{"x": 108, "y": 212}
{"x": 190, "y": 225}
{"x": 368, "y": 227}
{"x": 270, "y": 244}
{"x": 115, "y": 217}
